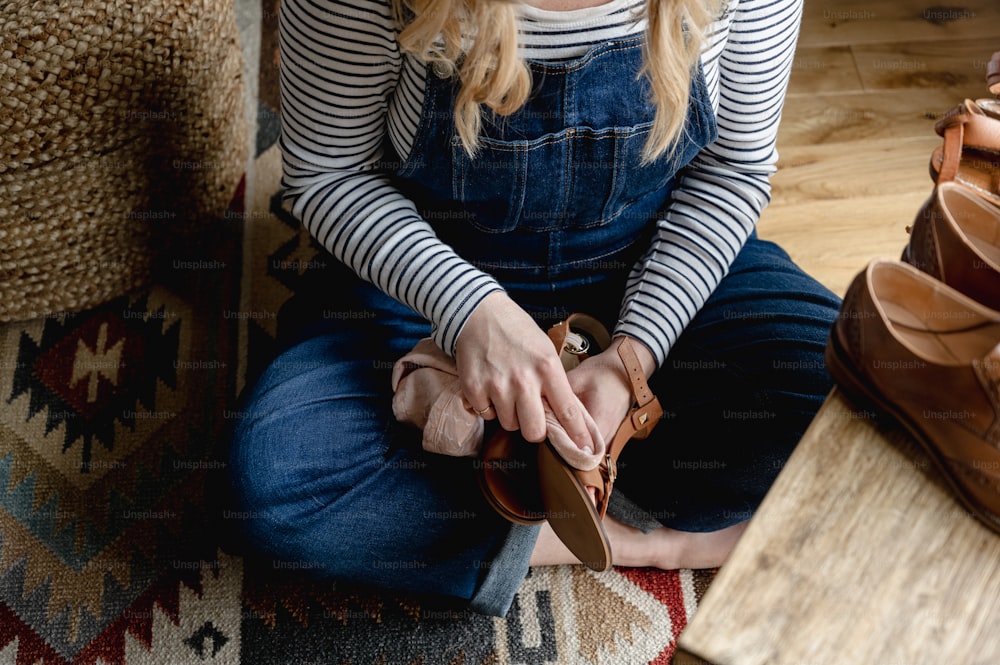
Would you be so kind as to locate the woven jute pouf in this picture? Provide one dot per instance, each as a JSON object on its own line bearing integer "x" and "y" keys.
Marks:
{"x": 122, "y": 128}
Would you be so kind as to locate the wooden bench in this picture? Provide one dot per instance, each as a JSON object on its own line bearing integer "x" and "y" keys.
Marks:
{"x": 860, "y": 555}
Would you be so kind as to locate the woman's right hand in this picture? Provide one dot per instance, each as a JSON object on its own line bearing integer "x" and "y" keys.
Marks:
{"x": 505, "y": 360}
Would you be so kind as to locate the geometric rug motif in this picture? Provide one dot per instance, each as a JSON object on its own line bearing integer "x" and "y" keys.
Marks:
{"x": 79, "y": 378}
{"x": 571, "y": 614}
{"x": 191, "y": 615}
{"x": 561, "y": 614}
{"x": 107, "y": 423}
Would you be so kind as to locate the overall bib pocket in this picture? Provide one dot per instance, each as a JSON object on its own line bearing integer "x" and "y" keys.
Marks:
{"x": 575, "y": 179}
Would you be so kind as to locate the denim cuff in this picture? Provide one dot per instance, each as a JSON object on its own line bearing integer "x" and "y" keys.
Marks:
{"x": 631, "y": 514}
{"x": 505, "y": 572}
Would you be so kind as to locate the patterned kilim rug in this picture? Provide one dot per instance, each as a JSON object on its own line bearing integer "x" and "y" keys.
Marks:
{"x": 112, "y": 432}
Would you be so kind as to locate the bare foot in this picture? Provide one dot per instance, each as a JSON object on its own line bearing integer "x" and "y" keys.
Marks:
{"x": 663, "y": 548}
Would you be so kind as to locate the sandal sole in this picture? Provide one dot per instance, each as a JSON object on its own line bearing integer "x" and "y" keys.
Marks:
{"x": 570, "y": 511}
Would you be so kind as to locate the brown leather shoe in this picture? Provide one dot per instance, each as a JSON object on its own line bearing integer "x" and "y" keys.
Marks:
{"x": 956, "y": 239}
{"x": 930, "y": 357}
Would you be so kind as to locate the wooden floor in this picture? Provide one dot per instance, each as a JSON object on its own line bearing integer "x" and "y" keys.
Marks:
{"x": 870, "y": 79}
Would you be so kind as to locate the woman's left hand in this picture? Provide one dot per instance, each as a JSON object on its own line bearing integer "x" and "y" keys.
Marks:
{"x": 602, "y": 384}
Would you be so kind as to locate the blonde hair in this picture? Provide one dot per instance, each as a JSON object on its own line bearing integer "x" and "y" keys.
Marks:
{"x": 491, "y": 73}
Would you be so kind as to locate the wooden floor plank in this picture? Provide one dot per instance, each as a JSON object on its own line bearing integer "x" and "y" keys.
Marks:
{"x": 815, "y": 174}
{"x": 825, "y": 70}
{"x": 834, "y": 240}
{"x": 859, "y": 118}
{"x": 838, "y": 22}
{"x": 927, "y": 64}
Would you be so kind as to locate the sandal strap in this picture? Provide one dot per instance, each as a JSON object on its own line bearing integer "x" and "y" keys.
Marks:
{"x": 645, "y": 413}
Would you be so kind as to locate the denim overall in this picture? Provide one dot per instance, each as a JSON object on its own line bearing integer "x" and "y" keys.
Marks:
{"x": 558, "y": 207}
{"x": 556, "y": 203}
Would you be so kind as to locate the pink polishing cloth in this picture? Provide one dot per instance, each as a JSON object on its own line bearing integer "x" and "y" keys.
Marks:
{"x": 428, "y": 396}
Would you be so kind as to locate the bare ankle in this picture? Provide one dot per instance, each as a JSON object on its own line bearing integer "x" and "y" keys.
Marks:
{"x": 709, "y": 549}
{"x": 663, "y": 548}
{"x": 670, "y": 549}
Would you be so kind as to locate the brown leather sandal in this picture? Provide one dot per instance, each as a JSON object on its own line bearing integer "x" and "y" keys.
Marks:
{"x": 565, "y": 491}
{"x": 970, "y": 153}
{"x": 508, "y": 468}
{"x": 508, "y": 478}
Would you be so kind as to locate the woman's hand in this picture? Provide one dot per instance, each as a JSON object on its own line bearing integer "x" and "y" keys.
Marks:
{"x": 505, "y": 360}
{"x": 602, "y": 384}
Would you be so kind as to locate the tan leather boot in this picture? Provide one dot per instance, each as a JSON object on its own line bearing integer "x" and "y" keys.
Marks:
{"x": 930, "y": 357}
{"x": 956, "y": 239}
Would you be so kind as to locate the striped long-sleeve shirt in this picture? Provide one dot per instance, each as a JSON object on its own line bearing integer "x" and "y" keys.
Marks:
{"x": 346, "y": 86}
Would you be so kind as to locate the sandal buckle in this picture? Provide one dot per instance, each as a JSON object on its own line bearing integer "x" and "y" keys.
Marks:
{"x": 612, "y": 468}
{"x": 576, "y": 344}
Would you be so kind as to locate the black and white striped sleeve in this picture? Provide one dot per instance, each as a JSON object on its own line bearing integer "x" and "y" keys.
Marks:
{"x": 720, "y": 196}
{"x": 340, "y": 65}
